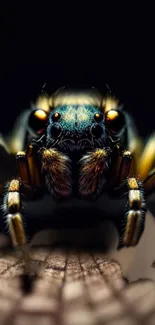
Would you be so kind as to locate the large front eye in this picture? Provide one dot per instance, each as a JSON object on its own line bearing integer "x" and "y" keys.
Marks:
{"x": 114, "y": 121}
{"x": 37, "y": 121}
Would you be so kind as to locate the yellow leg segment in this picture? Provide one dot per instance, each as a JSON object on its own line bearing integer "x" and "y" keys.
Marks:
{"x": 16, "y": 229}
{"x": 135, "y": 214}
{"x": 149, "y": 183}
{"x": 147, "y": 158}
{"x": 12, "y": 207}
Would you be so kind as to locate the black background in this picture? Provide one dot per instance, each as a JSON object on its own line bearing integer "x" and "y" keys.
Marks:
{"x": 77, "y": 46}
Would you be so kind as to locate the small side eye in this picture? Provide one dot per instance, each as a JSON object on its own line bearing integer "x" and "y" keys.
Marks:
{"x": 98, "y": 117}
{"x": 114, "y": 121}
{"x": 56, "y": 117}
{"x": 37, "y": 121}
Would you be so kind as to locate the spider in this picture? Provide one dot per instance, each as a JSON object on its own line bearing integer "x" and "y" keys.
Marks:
{"x": 81, "y": 144}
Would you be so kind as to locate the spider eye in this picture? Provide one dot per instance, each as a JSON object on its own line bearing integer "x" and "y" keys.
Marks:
{"x": 56, "y": 117}
{"x": 98, "y": 117}
{"x": 115, "y": 121}
{"x": 37, "y": 121}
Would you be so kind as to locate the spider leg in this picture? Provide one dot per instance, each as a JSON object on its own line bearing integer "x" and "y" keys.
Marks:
{"x": 27, "y": 185}
{"x": 133, "y": 221}
{"x": 147, "y": 159}
{"x": 29, "y": 168}
{"x": 149, "y": 183}
{"x": 12, "y": 210}
{"x": 123, "y": 165}
{"x": 123, "y": 183}
{"x": 146, "y": 166}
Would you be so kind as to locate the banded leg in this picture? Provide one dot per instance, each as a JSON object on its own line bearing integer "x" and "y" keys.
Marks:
{"x": 134, "y": 217}
{"x": 12, "y": 211}
{"x": 147, "y": 158}
{"x": 122, "y": 182}
{"x": 12, "y": 208}
{"x": 27, "y": 184}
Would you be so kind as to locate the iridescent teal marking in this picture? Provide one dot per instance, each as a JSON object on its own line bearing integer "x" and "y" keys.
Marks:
{"x": 76, "y": 117}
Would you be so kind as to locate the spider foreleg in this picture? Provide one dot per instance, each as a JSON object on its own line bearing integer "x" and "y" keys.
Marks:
{"x": 147, "y": 158}
{"x": 149, "y": 183}
{"x": 122, "y": 166}
{"x": 12, "y": 211}
{"x": 133, "y": 221}
{"x": 24, "y": 187}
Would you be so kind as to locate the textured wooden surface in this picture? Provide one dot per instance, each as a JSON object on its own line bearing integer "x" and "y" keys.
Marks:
{"x": 71, "y": 288}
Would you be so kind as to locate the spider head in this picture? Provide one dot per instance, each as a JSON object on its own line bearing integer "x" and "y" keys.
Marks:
{"x": 77, "y": 124}
{"x": 76, "y": 127}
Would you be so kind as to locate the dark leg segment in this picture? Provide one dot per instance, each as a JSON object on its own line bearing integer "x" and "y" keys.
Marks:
{"x": 29, "y": 167}
{"x": 147, "y": 158}
{"x": 122, "y": 167}
{"x": 149, "y": 183}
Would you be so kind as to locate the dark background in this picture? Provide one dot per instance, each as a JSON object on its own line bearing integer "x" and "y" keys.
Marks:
{"x": 73, "y": 45}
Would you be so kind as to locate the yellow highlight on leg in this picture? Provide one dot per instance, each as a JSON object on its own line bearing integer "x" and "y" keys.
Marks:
{"x": 132, "y": 183}
{"x": 14, "y": 186}
{"x": 132, "y": 228}
{"x": 135, "y": 201}
{"x": 16, "y": 229}
{"x": 14, "y": 201}
{"x": 147, "y": 159}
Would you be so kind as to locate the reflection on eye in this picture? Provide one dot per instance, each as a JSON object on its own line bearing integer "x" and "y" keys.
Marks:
{"x": 56, "y": 117}
{"x": 114, "y": 121}
{"x": 37, "y": 121}
{"x": 98, "y": 117}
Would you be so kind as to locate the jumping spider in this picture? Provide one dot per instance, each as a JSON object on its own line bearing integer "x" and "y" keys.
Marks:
{"x": 84, "y": 145}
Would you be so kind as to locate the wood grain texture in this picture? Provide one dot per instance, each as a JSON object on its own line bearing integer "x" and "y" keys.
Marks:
{"x": 71, "y": 288}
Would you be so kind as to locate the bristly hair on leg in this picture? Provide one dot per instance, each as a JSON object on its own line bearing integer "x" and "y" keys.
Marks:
{"x": 57, "y": 172}
{"x": 94, "y": 166}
